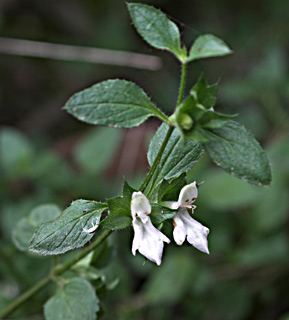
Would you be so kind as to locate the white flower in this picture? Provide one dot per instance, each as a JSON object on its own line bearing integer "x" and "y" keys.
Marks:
{"x": 184, "y": 225}
{"x": 148, "y": 240}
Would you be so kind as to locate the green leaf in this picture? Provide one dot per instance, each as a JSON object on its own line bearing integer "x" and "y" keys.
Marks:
{"x": 237, "y": 152}
{"x": 156, "y": 29}
{"x": 207, "y": 46}
{"x": 119, "y": 216}
{"x": 68, "y": 231}
{"x": 92, "y": 154}
{"x": 160, "y": 213}
{"x": 178, "y": 157}
{"x": 204, "y": 94}
{"x": 114, "y": 103}
{"x": 169, "y": 190}
{"x": 16, "y": 153}
{"x": 214, "y": 120}
{"x": 76, "y": 300}
{"x": 25, "y": 227}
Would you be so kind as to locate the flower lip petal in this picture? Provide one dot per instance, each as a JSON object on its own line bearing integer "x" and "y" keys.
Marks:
{"x": 148, "y": 240}
{"x": 196, "y": 233}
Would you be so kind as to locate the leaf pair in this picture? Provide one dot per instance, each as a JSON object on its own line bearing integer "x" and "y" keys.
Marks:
{"x": 161, "y": 33}
{"x": 122, "y": 104}
{"x": 195, "y": 116}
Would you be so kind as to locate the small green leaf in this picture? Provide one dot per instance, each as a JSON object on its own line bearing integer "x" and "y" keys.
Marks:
{"x": 156, "y": 29}
{"x": 76, "y": 300}
{"x": 214, "y": 120}
{"x": 68, "y": 231}
{"x": 115, "y": 103}
{"x": 119, "y": 216}
{"x": 25, "y": 227}
{"x": 92, "y": 154}
{"x": 203, "y": 94}
{"x": 237, "y": 152}
{"x": 207, "y": 46}
{"x": 177, "y": 157}
{"x": 169, "y": 190}
{"x": 160, "y": 213}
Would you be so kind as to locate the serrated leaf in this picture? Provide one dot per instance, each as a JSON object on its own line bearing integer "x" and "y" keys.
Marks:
{"x": 156, "y": 29}
{"x": 76, "y": 300}
{"x": 25, "y": 227}
{"x": 68, "y": 231}
{"x": 115, "y": 103}
{"x": 207, "y": 46}
{"x": 92, "y": 154}
{"x": 237, "y": 152}
{"x": 178, "y": 157}
{"x": 204, "y": 94}
{"x": 119, "y": 216}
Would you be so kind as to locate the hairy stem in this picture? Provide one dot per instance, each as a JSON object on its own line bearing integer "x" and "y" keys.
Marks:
{"x": 59, "y": 269}
{"x": 183, "y": 82}
{"x": 158, "y": 157}
{"x": 157, "y": 160}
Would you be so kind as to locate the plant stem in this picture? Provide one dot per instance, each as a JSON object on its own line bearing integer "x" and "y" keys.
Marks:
{"x": 170, "y": 131}
{"x": 157, "y": 160}
{"x": 59, "y": 269}
{"x": 183, "y": 82}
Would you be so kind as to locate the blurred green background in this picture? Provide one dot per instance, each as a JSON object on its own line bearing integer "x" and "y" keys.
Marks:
{"x": 46, "y": 156}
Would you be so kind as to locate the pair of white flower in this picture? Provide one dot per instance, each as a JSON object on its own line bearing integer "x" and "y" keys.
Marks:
{"x": 149, "y": 241}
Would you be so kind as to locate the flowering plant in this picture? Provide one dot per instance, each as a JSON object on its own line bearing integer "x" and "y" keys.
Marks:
{"x": 193, "y": 128}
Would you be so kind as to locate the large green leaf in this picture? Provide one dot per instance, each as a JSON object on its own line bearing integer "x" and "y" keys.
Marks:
{"x": 25, "y": 227}
{"x": 115, "y": 103}
{"x": 178, "y": 157}
{"x": 156, "y": 29}
{"x": 237, "y": 152}
{"x": 92, "y": 154}
{"x": 68, "y": 231}
{"x": 119, "y": 216}
{"x": 76, "y": 300}
{"x": 207, "y": 46}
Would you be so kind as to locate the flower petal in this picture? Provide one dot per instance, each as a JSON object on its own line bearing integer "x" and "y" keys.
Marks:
{"x": 196, "y": 232}
{"x": 170, "y": 204}
{"x": 140, "y": 206}
{"x": 188, "y": 227}
{"x": 188, "y": 194}
{"x": 180, "y": 231}
{"x": 148, "y": 240}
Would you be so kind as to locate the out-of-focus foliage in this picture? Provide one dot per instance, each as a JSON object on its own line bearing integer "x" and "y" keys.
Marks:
{"x": 44, "y": 159}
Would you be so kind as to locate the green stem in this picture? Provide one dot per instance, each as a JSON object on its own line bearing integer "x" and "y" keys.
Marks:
{"x": 170, "y": 131}
{"x": 57, "y": 271}
{"x": 183, "y": 82}
{"x": 157, "y": 160}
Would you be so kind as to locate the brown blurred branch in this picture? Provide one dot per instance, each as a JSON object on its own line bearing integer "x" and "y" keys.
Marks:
{"x": 38, "y": 49}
